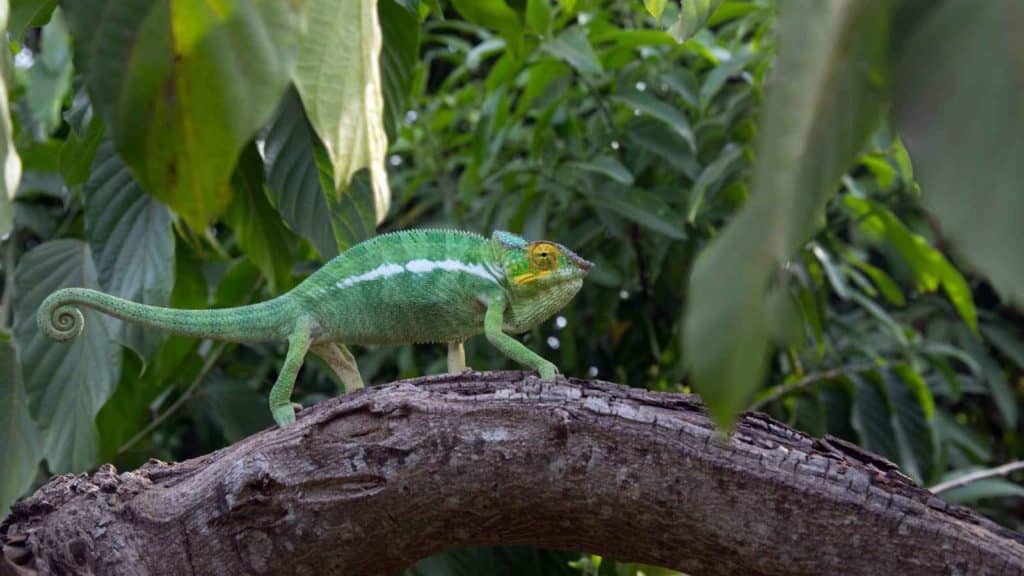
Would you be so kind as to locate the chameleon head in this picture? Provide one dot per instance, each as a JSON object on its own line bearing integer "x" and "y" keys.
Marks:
{"x": 541, "y": 277}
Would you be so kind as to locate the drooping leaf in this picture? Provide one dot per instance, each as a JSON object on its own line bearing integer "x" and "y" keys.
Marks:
{"x": 573, "y": 47}
{"x": 299, "y": 180}
{"x": 820, "y": 110}
{"x": 132, "y": 244}
{"x": 20, "y": 449}
{"x": 68, "y": 382}
{"x": 184, "y": 85}
{"x": 959, "y": 112}
{"x": 338, "y": 78}
{"x": 9, "y": 160}
{"x": 913, "y": 408}
{"x": 257, "y": 226}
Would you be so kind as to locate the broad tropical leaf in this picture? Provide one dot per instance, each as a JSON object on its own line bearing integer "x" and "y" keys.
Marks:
{"x": 184, "y": 85}
{"x": 20, "y": 449}
{"x": 130, "y": 235}
{"x": 67, "y": 382}
{"x": 338, "y": 77}
{"x": 959, "y": 112}
{"x": 825, "y": 100}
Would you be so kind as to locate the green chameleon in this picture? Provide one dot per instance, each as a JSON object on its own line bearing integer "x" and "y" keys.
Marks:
{"x": 438, "y": 286}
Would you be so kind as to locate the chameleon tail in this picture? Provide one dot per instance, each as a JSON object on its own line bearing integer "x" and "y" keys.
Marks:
{"x": 60, "y": 317}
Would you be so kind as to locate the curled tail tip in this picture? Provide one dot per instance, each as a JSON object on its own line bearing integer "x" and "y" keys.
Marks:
{"x": 59, "y": 321}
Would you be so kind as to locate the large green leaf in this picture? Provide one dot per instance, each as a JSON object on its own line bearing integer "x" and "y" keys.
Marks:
{"x": 258, "y": 229}
{"x": 67, "y": 382}
{"x": 184, "y": 85}
{"x": 824, "y": 101}
{"x": 338, "y": 77}
{"x": 49, "y": 78}
{"x": 20, "y": 450}
{"x": 959, "y": 111}
{"x": 132, "y": 244}
{"x": 9, "y": 161}
{"x": 299, "y": 180}
{"x": 29, "y": 13}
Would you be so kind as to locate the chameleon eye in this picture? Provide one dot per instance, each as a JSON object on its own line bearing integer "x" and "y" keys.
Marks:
{"x": 542, "y": 256}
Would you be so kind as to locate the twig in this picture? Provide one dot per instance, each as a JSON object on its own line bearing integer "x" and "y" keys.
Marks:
{"x": 975, "y": 476}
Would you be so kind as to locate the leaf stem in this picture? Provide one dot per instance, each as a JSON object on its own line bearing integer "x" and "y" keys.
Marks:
{"x": 975, "y": 476}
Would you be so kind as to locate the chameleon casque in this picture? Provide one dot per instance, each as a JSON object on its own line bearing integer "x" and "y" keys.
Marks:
{"x": 414, "y": 286}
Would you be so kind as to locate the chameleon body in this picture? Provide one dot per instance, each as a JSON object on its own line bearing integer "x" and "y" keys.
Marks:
{"x": 440, "y": 286}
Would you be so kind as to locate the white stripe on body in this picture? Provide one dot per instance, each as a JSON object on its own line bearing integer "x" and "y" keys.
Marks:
{"x": 418, "y": 266}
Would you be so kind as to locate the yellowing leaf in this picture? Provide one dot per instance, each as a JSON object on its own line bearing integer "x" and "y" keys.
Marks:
{"x": 339, "y": 81}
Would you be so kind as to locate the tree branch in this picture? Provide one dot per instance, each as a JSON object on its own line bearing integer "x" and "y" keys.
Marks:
{"x": 369, "y": 482}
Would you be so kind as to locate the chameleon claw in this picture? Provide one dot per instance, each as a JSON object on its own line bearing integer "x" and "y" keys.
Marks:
{"x": 284, "y": 415}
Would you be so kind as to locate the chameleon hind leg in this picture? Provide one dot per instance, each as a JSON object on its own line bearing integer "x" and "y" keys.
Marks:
{"x": 341, "y": 361}
{"x": 456, "y": 357}
{"x": 280, "y": 395}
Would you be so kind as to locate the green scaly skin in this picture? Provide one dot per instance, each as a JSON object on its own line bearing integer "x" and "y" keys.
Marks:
{"x": 416, "y": 286}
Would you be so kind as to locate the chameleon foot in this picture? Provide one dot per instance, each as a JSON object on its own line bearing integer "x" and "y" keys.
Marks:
{"x": 284, "y": 415}
{"x": 547, "y": 371}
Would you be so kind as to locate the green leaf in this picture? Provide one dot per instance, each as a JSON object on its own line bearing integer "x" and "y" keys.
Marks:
{"x": 493, "y": 15}
{"x": 931, "y": 269}
{"x": 913, "y": 409}
{"x": 1002, "y": 393}
{"x": 339, "y": 81}
{"x": 886, "y": 285}
{"x": 20, "y": 450}
{"x": 298, "y": 184}
{"x": 871, "y": 418}
{"x": 644, "y": 208}
{"x": 400, "y": 30}
{"x": 981, "y": 489}
{"x": 184, "y": 85}
{"x": 1006, "y": 342}
{"x": 238, "y": 410}
{"x": 67, "y": 383}
{"x": 714, "y": 176}
{"x": 606, "y": 166}
{"x": 78, "y": 151}
{"x": 9, "y": 160}
{"x": 27, "y": 14}
{"x": 538, "y": 16}
{"x": 132, "y": 244}
{"x": 831, "y": 56}
{"x": 959, "y": 113}
{"x": 257, "y": 226}
{"x": 655, "y": 8}
{"x": 49, "y": 78}
{"x": 692, "y": 17}
{"x": 663, "y": 111}
{"x": 573, "y": 47}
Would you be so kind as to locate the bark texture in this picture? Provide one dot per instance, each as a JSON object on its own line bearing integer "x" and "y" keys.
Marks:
{"x": 369, "y": 482}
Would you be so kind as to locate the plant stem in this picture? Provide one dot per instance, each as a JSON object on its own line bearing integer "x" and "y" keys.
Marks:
{"x": 975, "y": 476}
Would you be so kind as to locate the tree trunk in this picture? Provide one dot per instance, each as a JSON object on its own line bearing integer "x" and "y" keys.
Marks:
{"x": 369, "y": 482}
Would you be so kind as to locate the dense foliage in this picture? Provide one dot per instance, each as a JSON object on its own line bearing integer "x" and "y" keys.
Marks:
{"x": 230, "y": 167}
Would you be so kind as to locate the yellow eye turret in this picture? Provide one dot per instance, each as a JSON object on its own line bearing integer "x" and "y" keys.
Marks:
{"x": 543, "y": 256}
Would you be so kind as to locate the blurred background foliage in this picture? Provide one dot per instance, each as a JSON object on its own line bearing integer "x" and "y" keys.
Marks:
{"x": 627, "y": 130}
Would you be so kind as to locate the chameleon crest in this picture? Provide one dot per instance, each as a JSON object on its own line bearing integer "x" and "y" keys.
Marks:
{"x": 440, "y": 286}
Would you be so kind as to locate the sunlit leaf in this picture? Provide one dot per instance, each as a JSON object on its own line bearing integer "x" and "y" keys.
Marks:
{"x": 494, "y": 15}
{"x": 573, "y": 47}
{"x": 184, "y": 85}
{"x": 339, "y": 80}
{"x": 132, "y": 245}
{"x": 538, "y": 15}
{"x": 68, "y": 382}
{"x": 655, "y": 7}
{"x": 959, "y": 112}
{"x": 830, "y": 79}
{"x": 692, "y": 17}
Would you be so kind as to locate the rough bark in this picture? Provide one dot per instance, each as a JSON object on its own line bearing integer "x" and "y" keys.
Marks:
{"x": 369, "y": 482}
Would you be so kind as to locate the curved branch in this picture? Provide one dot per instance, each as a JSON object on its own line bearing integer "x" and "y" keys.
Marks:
{"x": 369, "y": 482}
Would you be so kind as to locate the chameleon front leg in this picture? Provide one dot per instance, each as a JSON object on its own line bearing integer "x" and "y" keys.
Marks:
{"x": 281, "y": 393}
{"x": 511, "y": 347}
{"x": 340, "y": 359}
{"x": 456, "y": 357}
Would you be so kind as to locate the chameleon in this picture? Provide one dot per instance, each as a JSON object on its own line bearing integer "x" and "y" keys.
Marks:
{"x": 412, "y": 286}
